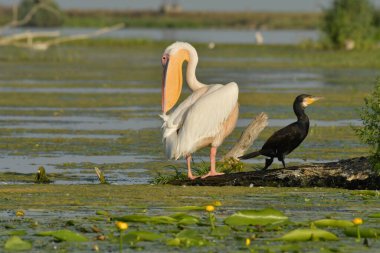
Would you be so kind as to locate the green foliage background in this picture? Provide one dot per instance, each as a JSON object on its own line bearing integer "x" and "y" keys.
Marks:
{"x": 370, "y": 116}
{"x": 49, "y": 14}
{"x": 350, "y": 20}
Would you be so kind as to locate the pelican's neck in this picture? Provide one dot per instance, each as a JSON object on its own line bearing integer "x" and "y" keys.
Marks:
{"x": 191, "y": 79}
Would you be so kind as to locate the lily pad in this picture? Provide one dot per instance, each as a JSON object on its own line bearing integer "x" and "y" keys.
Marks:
{"x": 364, "y": 232}
{"x": 187, "y": 208}
{"x": 311, "y": 234}
{"x": 64, "y": 235}
{"x": 374, "y": 215}
{"x": 15, "y": 243}
{"x": 137, "y": 236}
{"x": 17, "y": 232}
{"x": 102, "y": 212}
{"x": 133, "y": 218}
{"x": 221, "y": 231}
{"x": 187, "y": 238}
{"x": 185, "y": 219}
{"x": 256, "y": 217}
{"x": 147, "y": 219}
{"x": 333, "y": 223}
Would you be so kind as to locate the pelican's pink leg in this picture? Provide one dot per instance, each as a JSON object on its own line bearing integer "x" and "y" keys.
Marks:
{"x": 212, "y": 164}
{"x": 189, "y": 173}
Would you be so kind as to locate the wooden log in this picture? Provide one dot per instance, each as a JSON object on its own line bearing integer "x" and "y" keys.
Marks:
{"x": 355, "y": 173}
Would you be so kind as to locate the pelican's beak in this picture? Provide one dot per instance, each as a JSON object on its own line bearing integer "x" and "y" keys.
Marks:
{"x": 310, "y": 100}
{"x": 172, "y": 78}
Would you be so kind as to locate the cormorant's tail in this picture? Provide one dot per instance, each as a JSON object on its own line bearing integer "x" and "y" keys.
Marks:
{"x": 250, "y": 155}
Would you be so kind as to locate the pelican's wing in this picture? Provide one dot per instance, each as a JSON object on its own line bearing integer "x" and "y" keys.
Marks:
{"x": 206, "y": 116}
{"x": 174, "y": 121}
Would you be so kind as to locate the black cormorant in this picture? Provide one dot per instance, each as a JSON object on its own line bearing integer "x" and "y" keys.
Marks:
{"x": 285, "y": 140}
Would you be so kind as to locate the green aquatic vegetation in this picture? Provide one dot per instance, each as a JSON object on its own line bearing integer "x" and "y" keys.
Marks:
{"x": 370, "y": 132}
{"x": 188, "y": 238}
{"x": 256, "y": 217}
{"x": 139, "y": 236}
{"x": 183, "y": 210}
{"x": 41, "y": 177}
{"x": 101, "y": 176}
{"x": 333, "y": 223}
{"x": 64, "y": 235}
{"x": 311, "y": 234}
{"x": 374, "y": 215}
{"x": 15, "y": 243}
{"x": 364, "y": 232}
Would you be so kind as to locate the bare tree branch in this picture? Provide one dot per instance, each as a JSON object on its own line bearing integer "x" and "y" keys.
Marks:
{"x": 248, "y": 136}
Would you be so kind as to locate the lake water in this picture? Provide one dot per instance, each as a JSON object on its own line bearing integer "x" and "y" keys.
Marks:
{"x": 244, "y": 36}
{"x": 72, "y": 108}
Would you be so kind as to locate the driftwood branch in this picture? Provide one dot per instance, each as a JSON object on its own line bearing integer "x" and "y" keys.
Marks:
{"x": 44, "y": 45}
{"x": 248, "y": 136}
{"x": 355, "y": 173}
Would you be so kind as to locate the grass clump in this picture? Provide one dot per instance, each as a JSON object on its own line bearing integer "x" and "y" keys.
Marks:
{"x": 349, "y": 24}
{"x": 370, "y": 133}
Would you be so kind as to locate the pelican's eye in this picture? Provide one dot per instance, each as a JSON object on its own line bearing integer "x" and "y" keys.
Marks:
{"x": 164, "y": 60}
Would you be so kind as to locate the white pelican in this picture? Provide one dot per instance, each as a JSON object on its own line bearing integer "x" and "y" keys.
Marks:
{"x": 204, "y": 118}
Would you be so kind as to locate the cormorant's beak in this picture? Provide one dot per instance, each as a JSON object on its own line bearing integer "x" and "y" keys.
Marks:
{"x": 309, "y": 100}
{"x": 172, "y": 78}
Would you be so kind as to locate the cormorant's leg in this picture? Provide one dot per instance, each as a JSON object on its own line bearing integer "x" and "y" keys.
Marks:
{"x": 189, "y": 173}
{"x": 212, "y": 164}
{"x": 282, "y": 159}
{"x": 268, "y": 162}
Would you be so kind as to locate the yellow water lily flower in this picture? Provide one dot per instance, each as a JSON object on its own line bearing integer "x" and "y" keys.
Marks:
{"x": 357, "y": 221}
{"x": 247, "y": 242}
{"x": 20, "y": 213}
{"x": 210, "y": 208}
{"x": 121, "y": 225}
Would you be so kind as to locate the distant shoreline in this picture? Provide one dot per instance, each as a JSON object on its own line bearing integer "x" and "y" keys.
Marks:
{"x": 156, "y": 19}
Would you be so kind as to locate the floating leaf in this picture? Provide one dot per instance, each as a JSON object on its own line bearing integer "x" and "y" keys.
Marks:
{"x": 17, "y": 232}
{"x": 163, "y": 220}
{"x": 188, "y": 221}
{"x": 102, "y": 212}
{"x": 65, "y": 235}
{"x": 187, "y": 208}
{"x": 133, "y": 218}
{"x": 15, "y": 243}
{"x": 256, "y": 217}
{"x": 364, "y": 232}
{"x": 173, "y": 242}
{"x": 185, "y": 219}
{"x": 333, "y": 223}
{"x": 309, "y": 235}
{"x": 221, "y": 231}
{"x": 374, "y": 215}
{"x": 187, "y": 238}
{"x": 146, "y": 219}
{"x": 137, "y": 236}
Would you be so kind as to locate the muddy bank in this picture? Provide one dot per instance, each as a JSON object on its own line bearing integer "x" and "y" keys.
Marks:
{"x": 355, "y": 173}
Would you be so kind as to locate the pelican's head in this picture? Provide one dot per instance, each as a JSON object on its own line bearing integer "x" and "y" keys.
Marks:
{"x": 172, "y": 60}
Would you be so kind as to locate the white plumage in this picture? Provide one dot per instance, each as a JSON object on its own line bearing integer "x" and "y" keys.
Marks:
{"x": 204, "y": 118}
